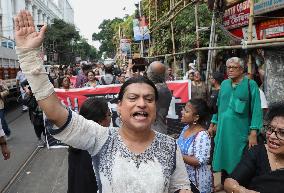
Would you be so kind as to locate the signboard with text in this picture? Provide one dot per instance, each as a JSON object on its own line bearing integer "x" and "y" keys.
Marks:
{"x": 265, "y": 6}
{"x": 236, "y": 16}
{"x": 272, "y": 28}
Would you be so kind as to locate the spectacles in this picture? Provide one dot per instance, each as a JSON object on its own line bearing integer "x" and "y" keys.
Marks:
{"x": 233, "y": 67}
{"x": 279, "y": 133}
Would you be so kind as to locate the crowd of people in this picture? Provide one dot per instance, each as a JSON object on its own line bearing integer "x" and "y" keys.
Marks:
{"x": 223, "y": 129}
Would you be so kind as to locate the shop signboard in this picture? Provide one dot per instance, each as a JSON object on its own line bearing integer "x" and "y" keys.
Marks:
{"x": 236, "y": 16}
{"x": 265, "y": 6}
{"x": 272, "y": 28}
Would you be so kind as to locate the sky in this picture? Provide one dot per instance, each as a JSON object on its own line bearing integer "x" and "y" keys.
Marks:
{"x": 88, "y": 14}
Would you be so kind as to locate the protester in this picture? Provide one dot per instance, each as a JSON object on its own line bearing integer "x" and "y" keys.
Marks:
{"x": 108, "y": 78}
{"x": 170, "y": 76}
{"x": 191, "y": 70}
{"x": 261, "y": 169}
{"x": 198, "y": 87}
{"x": 4, "y": 148}
{"x": 216, "y": 79}
{"x": 238, "y": 120}
{"x": 156, "y": 72}
{"x": 19, "y": 79}
{"x": 132, "y": 158}
{"x": 81, "y": 77}
{"x": 81, "y": 176}
{"x": 121, "y": 78}
{"x": 35, "y": 113}
{"x": 194, "y": 142}
{"x": 92, "y": 80}
{"x": 66, "y": 83}
{"x": 4, "y": 91}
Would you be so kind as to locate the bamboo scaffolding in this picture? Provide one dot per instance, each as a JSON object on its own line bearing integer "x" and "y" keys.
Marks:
{"x": 263, "y": 45}
{"x": 168, "y": 14}
{"x": 170, "y": 18}
{"x": 197, "y": 34}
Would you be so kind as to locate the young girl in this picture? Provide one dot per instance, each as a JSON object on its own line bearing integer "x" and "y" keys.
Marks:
{"x": 195, "y": 145}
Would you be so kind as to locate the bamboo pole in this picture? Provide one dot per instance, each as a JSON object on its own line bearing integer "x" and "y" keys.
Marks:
{"x": 174, "y": 45}
{"x": 212, "y": 42}
{"x": 266, "y": 41}
{"x": 168, "y": 19}
{"x": 197, "y": 34}
{"x": 250, "y": 31}
{"x": 156, "y": 9}
{"x": 264, "y": 45}
{"x": 149, "y": 24}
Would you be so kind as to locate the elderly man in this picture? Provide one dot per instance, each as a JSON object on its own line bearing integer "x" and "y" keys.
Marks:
{"x": 238, "y": 120}
{"x": 157, "y": 73}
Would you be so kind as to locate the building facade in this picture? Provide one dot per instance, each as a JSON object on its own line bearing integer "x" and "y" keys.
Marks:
{"x": 43, "y": 11}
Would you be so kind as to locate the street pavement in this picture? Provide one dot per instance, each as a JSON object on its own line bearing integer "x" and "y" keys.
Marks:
{"x": 46, "y": 172}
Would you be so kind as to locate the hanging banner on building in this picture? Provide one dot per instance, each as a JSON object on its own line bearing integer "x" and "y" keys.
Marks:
{"x": 265, "y": 6}
{"x": 74, "y": 98}
{"x": 236, "y": 16}
{"x": 140, "y": 29}
{"x": 272, "y": 28}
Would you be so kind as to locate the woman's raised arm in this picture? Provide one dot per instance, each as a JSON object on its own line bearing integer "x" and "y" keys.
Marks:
{"x": 28, "y": 42}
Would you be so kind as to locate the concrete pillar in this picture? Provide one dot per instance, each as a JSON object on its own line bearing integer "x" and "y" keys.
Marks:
{"x": 43, "y": 18}
{"x": 35, "y": 15}
{"x": 274, "y": 75}
{"x": 7, "y": 14}
{"x": 39, "y": 17}
{"x": 29, "y": 6}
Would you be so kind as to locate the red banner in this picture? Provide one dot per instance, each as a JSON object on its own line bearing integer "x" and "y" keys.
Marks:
{"x": 180, "y": 90}
{"x": 272, "y": 28}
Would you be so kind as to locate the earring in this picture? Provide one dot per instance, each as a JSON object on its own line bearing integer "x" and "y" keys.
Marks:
{"x": 194, "y": 122}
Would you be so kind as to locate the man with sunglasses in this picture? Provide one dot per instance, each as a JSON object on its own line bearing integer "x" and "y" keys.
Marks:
{"x": 238, "y": 120}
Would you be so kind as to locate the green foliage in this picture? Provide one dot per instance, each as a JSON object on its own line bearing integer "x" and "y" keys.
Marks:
{"x": 108, "y": 30}
{"x": 63, "y": 39}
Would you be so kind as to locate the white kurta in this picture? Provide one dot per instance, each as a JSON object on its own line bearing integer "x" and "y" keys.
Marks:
{"x": 160, "y": 169}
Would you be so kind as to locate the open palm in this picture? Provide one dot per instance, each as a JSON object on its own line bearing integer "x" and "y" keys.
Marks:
{"x": 25, "y": 34}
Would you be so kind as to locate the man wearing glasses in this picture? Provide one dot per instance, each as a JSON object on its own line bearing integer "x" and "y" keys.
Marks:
{"x": 238, "y": 120}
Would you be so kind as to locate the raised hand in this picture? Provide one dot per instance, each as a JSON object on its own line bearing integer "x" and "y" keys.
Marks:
{"x": 25, "y": 34}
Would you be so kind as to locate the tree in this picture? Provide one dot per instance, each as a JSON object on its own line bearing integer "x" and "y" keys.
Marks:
{"x": 106, "y": 36}
{"x": 63, "y": 43}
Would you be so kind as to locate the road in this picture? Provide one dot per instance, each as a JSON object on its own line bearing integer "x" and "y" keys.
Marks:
{"x": 31, "y": 169}
{"x": 44, "y": 172}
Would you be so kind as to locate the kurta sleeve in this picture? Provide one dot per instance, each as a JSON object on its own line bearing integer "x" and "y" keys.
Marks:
{"x": 256, "y": 110}
{"x": 179, "y": 179}
{"x": 246, "y": 168}
{"x": 81, "y": 133}
{"x": 202, "y": 146}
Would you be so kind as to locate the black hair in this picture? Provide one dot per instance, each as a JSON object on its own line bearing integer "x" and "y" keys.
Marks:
{"x": 219, "y": 77}
{"x": 108, "y": 69}
{"x": 201, "y": 109}
{"x": 94, "y": 109}
{"x": 86, "y": 68}
{"x": 275, "y": 110}
{"x": 133, "y": 80}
